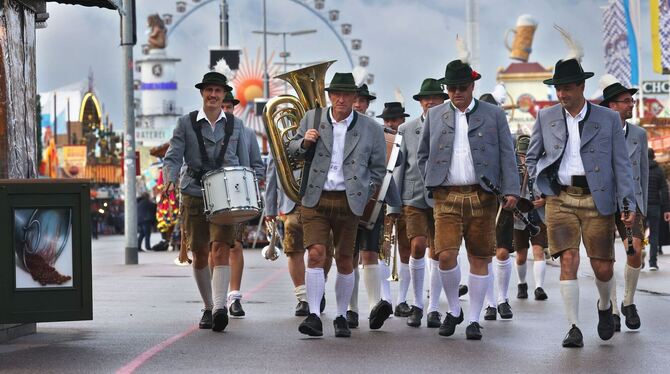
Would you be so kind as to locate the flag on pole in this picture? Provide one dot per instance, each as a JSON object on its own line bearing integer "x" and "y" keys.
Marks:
{"x": 620, "y": 29}
{"x": 659, "y": 11}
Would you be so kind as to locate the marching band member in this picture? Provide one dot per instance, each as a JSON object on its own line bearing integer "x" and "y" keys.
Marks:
{"x": 369, "y": 242}
{"x": 237, "y": 253}
{"x": 522, "y": 235}
{"x": 348, "y": 152}
{"x": 361, "y": 105}
{"x": 278, "y": 204}
{"x": 579, "y": 161}
{"x": 418, "y": 207}
{"x": 224, "y": 144}
{"x": 462, "y": 140}
{"x": 620, "y": 99}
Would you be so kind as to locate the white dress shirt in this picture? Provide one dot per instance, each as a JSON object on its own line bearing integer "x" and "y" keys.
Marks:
{"x": 571, "y": 163}
{"x": 462, "y": 169}
{"x": 335, "y": 178}
{"x": 201, "y": 115}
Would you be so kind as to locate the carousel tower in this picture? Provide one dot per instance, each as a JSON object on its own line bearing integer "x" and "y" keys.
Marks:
{"x": 158, "y": 111}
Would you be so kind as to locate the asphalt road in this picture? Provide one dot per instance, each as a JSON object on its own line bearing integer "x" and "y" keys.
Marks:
{"x": 145, "y": 321}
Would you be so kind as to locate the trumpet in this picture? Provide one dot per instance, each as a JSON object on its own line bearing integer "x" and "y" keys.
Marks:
{"x": 270, "y": 251}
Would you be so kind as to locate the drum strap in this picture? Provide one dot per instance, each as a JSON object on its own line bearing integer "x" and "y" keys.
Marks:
{"x": 230, "y": 127}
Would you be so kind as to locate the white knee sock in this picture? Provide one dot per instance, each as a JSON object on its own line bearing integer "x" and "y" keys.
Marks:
{"x": 403, "y": 287}
{"x": 539, "y": 269}
{"x": 353, "y": 303}
{"x": 344, "y": 286}
{"x": 384, "y": 274}
{"x": 570, "y": 295}
{"x": 630, "y": 277}
{"x": 234, "y": 295}
{"x": 478, "y": 285}
{"x": 613, "y": 299}
{"x": 373, "y": 284}
{"x": 316, "y": 286}
{"x": 300, "y": 293}
{"x": 220, "y": 282}
{"x": 435, "y": 286}
{"x": 605, "y": 292}
{"x": 503, "y": 271}
{"x": 417, "y": 268}
{"x": 203, "y": 279}
{"x": 521, "y": 272}
{"x": 490, "y": 288}
{"x": 451, "y": 279}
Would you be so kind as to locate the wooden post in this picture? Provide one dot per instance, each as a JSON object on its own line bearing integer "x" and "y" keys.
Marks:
{"x": 18, "y": 139}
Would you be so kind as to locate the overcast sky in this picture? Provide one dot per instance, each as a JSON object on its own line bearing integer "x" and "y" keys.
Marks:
{"x": 406, "y": 41}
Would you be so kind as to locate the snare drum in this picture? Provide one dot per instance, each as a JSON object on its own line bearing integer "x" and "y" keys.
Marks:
{"x": 231, "y": 195}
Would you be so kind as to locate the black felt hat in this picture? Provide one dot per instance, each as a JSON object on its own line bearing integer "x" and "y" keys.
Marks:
{"x": 342, "y": 82}
{"x": 363, "y": 92}
{"x": 393, "y": 110}
{"x": 430, "y": 87}
{"x": 230, "y": 98}
{"x": 214, "y": 78}
{"x": 613, "y": 90}
{"x": 568, "y": 71}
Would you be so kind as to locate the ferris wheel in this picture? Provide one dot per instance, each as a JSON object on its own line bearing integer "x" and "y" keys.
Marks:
{"x": 248, "y": 79}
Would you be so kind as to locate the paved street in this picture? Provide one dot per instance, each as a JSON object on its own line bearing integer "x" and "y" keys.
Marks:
{"x": 145, "y": 320}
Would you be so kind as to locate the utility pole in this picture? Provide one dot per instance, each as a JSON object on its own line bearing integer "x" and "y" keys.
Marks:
{"x": 130, "y": 203}
{"x": 223, "y": 23}
{"x": 266, "y": 76}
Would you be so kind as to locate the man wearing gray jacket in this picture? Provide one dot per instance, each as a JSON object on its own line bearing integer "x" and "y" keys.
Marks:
{"x": 207, "y": 129}
{"x": 620, "y": 99}
{"x": 578, "y": 158}
{"x": 344, "y": 156}
{"x": 463, "y": 141}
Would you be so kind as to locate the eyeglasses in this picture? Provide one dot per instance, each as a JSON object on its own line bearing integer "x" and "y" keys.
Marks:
{"x": 460, "y": 87}
{"x": 627, "y": 101}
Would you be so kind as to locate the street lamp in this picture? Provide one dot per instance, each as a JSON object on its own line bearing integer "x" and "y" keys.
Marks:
{"x": 285, "y": 54}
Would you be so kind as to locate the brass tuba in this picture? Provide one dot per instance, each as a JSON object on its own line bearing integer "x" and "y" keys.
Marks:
{"x": 282, "y": 115}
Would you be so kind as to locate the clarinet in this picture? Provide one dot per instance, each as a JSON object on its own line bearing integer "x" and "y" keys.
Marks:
{"x": 630, "y": 251}
{"x": 533, "y": 215}
{"x": 532, "y": 229}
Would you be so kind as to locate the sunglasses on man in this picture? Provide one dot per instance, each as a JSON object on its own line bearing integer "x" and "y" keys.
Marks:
{"x": 459, "y": 88}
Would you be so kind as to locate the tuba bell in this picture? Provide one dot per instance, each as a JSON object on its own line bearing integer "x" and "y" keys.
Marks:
{"x": 282, "y": 115}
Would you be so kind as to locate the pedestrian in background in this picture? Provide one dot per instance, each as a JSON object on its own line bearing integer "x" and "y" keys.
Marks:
{"x": 146, "y": 216}
{"x": 658, "y": 204}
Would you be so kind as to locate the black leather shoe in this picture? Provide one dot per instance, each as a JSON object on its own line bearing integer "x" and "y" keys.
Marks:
{"x": 219, "y": 320}
{"x": 434, "y": 319}
{"x": 617, "y": 323}
{"x": 540, "y": 294}
{"x": 472, "y": 332}
{"x": 414, "y": 319}
{"x": 574, "y": 338}
{"x": 522, "y": 291}
{"x": 380, "y": 313}
{"x": 341, "y": 327}
{"x": 311, "y": 326}
{"x": 632, "y": 318}
{"x": 352, "y": 319}
{"x": 490, "y": 313}
{"x": 402, "y": 310}
{"x": 449, "y": 324}
{"x": 302, "y": 309}
{"x": 505, "y": 310}
{"x": 236, "y": 309}
{"x": 605, "y": 323}
{"x": 322, "y": 306}
{"x": 206, "y": 320}
{"x": 462, "y": 290}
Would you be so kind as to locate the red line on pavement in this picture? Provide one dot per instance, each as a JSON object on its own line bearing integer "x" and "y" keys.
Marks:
{"x": 149, "y": 353}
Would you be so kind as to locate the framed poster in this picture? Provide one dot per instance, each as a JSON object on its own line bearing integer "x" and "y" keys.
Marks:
{"x": 45, "y": 265}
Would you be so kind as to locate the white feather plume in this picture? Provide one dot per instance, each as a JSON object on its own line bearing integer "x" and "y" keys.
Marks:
{"x": 500, "y": 93}
{"x": 462, "y": 51}
{"x": 607, "y": 80}
{"x": 223, "y": 68}
{"x": 575, "y": 49}
{"x": 399, "y": 97}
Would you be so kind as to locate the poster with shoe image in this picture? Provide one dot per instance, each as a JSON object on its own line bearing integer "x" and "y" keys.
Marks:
{"x": 43, "y": 246}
